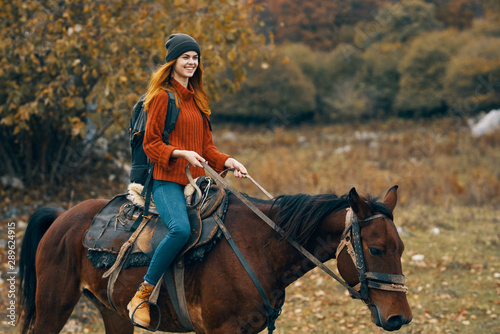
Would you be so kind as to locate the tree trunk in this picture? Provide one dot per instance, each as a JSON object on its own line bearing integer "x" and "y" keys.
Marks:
{"x": 6, "y": 160}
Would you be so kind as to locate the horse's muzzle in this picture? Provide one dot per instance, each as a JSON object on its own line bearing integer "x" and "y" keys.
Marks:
{"x": 393, "y": 323}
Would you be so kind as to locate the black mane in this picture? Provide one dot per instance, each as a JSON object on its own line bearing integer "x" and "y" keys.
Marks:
{"x": 376, "y": 206}
{"x": 299, "y": 215}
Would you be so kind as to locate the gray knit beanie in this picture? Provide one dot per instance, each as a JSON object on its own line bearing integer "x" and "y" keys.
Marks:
{"x": 178, "y": 44}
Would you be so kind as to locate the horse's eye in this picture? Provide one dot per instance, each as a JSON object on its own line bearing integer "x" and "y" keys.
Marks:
{"x": 376, "y": 252}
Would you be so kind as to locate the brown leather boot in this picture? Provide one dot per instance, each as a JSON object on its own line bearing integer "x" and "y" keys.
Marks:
{"x": 141, "y": 315}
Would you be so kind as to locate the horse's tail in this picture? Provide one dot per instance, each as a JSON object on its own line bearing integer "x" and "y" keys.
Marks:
{"x": 38, "y": 224}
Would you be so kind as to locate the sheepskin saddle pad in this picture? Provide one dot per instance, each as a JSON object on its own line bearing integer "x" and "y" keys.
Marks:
{"x": 111, "y": 227}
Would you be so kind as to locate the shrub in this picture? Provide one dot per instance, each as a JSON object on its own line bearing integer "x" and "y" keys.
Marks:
{"x": 324, "y": 69}
{"x": 332, "y": 74}
{"x": 276, "y": 89}
{"x": 398, "y": 22}
{"x": 378, "y": 76}
{"x": 471, "y": 81}
{"x": 349, "y": 101}
{"x": 486, "y": 26}
{"x": 422, "y": 70}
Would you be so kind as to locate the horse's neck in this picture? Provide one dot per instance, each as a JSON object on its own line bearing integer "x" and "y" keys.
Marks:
{"x": 290, "y": 264}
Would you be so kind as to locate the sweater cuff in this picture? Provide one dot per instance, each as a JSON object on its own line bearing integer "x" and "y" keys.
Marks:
{"x": 166, "y": 159}
{"x": 219, "y": 164}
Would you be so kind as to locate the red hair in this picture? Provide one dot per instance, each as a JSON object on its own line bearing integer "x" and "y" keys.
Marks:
{"x": 160, "y": 80}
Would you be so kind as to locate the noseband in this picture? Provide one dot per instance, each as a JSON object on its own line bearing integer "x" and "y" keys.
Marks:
{"x": 351, "y": 238}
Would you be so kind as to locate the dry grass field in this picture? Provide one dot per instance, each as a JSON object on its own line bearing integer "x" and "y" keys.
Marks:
{"x": 448, "y": 216}
{"x": 437, "y": 163}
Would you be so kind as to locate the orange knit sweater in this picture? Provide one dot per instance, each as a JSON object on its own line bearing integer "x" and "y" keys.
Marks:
{"x": 191, "y": 133}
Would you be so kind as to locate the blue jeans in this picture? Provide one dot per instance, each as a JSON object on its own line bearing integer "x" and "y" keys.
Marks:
{"x": 170, "y": 203}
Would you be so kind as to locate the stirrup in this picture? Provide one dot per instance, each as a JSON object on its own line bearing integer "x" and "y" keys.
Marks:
{"x": 146, "y": 328}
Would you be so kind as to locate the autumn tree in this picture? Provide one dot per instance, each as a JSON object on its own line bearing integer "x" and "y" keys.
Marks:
{"x": 398, "y": 22}
{"x": 316, "y": 23}
{"x": 493, "y": 8}
{"x": 472, "y": 81}
{"x": 459, "y": 13}
{"x": 65, "y": 65}
{"x": 486, "y": 27}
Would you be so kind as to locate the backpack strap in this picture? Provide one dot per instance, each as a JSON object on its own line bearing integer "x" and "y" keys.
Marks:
{"x": 171, "y": 119}
{"x": 172, "y": 115}
{"x": 208, "y": 120}
{"x": 136, "y": 111}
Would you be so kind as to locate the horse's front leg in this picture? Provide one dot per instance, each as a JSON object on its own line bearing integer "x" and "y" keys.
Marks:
{"x": 238, "y": 325}
{"x": 236, "y": 317}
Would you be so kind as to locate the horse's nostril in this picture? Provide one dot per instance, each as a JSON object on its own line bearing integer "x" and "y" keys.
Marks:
{"x": 396, "y": 321}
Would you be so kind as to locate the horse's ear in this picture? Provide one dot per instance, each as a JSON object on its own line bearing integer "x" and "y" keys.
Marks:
{"x": 358, "y": 205}
{"x": 391, "y": 198}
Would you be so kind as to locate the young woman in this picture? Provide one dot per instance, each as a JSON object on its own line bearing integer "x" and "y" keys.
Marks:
{"x": 190, "y": 141}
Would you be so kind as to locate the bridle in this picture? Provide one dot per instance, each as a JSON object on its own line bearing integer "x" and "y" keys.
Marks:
{"x": 381, "y": 281}
{"x": 374, "y": 280}
{"x": 351, "y": 239}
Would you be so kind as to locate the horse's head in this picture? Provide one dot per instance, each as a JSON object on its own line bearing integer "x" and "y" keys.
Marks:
{"x": 378, "y": 250}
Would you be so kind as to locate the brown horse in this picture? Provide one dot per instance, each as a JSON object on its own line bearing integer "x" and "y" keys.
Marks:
{"x": 221, "y": 297}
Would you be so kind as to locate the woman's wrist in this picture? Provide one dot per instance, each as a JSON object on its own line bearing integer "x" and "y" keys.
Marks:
{"x": 178, "y": 153}
{"x": 229, "y": 163}
{"x": 191, "y": 156}
{"x": 239, "y": 170}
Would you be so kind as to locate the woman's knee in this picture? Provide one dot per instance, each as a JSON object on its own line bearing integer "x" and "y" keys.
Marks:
{"x": 181, "y": 232}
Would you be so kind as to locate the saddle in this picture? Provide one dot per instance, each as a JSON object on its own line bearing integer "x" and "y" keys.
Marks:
{"x": 111, "y": 227}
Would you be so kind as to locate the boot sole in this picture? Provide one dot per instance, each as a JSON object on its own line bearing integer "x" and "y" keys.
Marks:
{"x": 136, "y": 321}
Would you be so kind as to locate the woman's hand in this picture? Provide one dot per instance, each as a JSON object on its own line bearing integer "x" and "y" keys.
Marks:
{"x": 239, "y": 170}
{"x": 191, "y": 156}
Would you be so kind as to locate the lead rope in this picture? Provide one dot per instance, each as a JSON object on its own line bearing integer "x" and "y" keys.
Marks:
{"x": 259, "y": 186}
{"x": 278, "y": 229}
{"x": 247, "y": 176}
{"x": 388, "y": 282}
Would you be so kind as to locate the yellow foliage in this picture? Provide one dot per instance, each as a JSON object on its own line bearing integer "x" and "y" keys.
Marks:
{"x": 61, "y": 62}
{"x": 231, "y": 56}
{"x": 7, "y": 121}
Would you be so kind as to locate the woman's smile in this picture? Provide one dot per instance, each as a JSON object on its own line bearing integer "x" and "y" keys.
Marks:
{"x": 186, "y": 65}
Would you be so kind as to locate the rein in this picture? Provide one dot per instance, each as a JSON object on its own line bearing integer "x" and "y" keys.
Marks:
{"x": 278, "y": 229}
{"x": 351, "y": 238}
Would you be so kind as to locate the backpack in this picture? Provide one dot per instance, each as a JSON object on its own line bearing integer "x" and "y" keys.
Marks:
{"x": 141, "y": 165}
